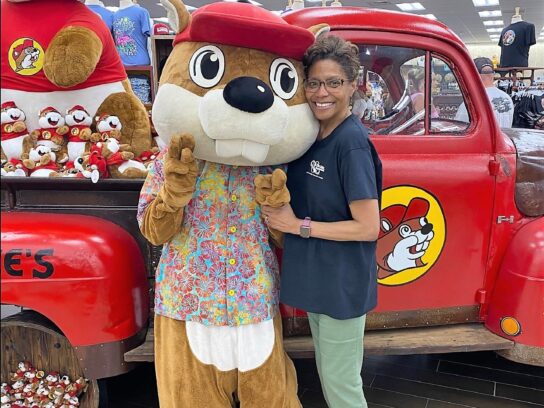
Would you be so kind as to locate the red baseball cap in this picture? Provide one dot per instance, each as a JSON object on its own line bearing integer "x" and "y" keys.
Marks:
{"x": 160, "y": 29}
{"x": 248, "y": 26}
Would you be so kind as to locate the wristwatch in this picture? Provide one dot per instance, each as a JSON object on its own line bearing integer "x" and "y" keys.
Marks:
{"x": 305, "y": 228}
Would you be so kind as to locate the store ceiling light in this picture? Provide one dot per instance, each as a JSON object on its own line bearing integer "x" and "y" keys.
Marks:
{"x": 410, "y": 6}
{"x": 494, "y": 30}
{"x": 490, "y": 13}
{"x": 485, "y": 3}
{"x": 493, "y": 23}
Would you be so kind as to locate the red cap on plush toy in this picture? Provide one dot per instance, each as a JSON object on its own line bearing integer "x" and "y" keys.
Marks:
{"x": 8, "y": 105}
{"x": 76, "y": 108}
{"x": 248, "y": 26}
{"x": 45, "y": 111}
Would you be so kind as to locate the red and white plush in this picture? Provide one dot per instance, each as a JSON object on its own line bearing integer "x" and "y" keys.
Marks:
{"x": 59, "y": 53}
{"x": 14, "y": 134}
{"x": 51, "y": 132}
{"x": 79, "y": 123}
{"x": 120, "y": 162}
{"x": 41, "y": 162}
{"x": 148, "y": 157}
{"x": 107, "y": 126}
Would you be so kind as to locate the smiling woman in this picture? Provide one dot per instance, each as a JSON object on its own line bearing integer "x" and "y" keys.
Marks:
{"x": 329, "y": 266}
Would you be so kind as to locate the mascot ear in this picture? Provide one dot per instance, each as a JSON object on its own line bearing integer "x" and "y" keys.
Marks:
{"x": 177, "y": 14}
{"x": 318, "y": 29}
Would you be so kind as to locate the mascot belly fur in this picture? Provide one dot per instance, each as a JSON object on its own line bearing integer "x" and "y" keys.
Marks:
{"x": 230, "y": 105}
{"x": 60, "y": 53}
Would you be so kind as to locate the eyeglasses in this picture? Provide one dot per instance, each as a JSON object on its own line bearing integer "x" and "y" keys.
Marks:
{"x": 312, "y": 85}
{"x": 487, "y": 72}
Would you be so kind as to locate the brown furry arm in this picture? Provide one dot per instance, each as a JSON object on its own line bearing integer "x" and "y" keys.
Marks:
{"x": 163, "y": 217}
{"x": 72, "y": 56}
{"x": 161, "y": 222}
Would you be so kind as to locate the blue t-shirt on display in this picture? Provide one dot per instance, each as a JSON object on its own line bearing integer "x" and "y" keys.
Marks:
{"x": 336, "y": 278}
{"x": 131, "y": 29}
{"x": 107, "y": 15}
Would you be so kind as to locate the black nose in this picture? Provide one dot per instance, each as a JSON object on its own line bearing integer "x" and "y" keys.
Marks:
{"x": 248, "y": 94}
{"x": 427, "y": 228}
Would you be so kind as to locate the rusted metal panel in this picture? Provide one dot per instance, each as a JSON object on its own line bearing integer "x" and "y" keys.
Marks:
{"x": 299, "y": 326}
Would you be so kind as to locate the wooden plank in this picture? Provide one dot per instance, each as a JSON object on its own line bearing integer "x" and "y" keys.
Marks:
{"x": 421, "y": 340}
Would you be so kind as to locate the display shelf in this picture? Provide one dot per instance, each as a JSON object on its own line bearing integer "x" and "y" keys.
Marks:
{"x": 143, "y": 70}
{"x": 517, "y": 73}
{"x": 161, "y": 47}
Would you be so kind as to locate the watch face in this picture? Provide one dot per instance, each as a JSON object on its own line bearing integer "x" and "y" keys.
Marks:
{"x": 305, "y": 232}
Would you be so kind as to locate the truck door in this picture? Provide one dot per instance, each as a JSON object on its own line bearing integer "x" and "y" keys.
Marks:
{"x": 438, "y": 192}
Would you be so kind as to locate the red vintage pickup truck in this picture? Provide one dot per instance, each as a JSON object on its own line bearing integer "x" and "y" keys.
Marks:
{"x": 460, "y": 254}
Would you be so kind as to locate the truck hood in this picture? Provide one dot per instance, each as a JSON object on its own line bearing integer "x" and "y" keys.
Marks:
{"x": 529, "y": 145}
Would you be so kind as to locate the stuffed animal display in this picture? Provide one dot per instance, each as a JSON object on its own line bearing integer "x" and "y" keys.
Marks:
{"x": 230, "y": 106}
{"x": 69, "y": 59}
{"x": 30, "y": 387}
{"x": 67, "y": 146}
{"x": 15, "y": 142}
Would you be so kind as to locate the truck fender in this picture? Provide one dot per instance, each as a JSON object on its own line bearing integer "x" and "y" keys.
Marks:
{"x": 517, "y": 301}
{"x": 85, "y": 274}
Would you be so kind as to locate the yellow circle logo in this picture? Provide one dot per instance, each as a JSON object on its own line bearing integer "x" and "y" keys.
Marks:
{"x": 412, "y": 235}
{"x": 26, "y": 56}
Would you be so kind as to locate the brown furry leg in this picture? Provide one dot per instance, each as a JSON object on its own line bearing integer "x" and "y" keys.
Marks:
{"x": 3, "y": 156}
{"x": 133, "y": 116}
{"x": 273, "y": 384}
{"x": 182, "y": 380}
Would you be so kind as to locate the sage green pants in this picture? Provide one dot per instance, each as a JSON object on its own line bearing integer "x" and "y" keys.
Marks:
{"x": 339, "y": 358}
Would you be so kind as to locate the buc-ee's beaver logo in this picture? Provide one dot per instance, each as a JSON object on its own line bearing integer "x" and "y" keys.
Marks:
{"x": 26, "y": 56}
{"x": 412, "y": 235}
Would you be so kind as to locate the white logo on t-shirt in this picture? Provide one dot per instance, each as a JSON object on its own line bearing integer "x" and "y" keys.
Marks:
{"x": 315, "y": 169}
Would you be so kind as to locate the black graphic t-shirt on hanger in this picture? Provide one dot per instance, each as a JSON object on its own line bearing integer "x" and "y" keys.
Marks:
{"x": 515, "y": 41}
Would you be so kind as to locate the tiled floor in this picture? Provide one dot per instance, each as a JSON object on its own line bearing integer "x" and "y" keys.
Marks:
{"x": 460, "y": 380}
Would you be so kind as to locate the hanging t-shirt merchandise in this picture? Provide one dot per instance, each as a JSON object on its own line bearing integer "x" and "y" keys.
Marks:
{"x": 515, "y": 41}
{"x": 131, "y": 29}
{"x": 104, "y": 13}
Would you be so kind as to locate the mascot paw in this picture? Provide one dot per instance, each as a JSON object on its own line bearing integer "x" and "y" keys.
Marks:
{"x": 180, "y": 171}
{"x": 271, "y": 189}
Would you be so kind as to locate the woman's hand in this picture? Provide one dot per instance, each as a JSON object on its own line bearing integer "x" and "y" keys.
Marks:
{"x": 282, "y": 219}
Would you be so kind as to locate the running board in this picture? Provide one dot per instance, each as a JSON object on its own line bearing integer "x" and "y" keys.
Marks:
{"x": 421, "y": 340}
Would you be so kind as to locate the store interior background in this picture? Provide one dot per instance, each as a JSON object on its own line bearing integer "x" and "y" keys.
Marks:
{"x": 477, "y": 22}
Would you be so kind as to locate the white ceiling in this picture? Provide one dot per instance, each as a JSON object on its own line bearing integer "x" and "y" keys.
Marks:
{"x": 460, "y": 15}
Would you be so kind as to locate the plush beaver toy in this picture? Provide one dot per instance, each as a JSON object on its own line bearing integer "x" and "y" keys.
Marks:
{"x": 230, "y": 106}
{"x": 60, "y": 53}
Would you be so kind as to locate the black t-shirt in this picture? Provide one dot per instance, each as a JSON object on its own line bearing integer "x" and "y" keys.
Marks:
{"x": 336, "y": 278}
{"x": 515, "y": 41}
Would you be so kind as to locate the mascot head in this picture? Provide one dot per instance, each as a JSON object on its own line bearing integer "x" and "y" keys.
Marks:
{"x": 234, "y": 80}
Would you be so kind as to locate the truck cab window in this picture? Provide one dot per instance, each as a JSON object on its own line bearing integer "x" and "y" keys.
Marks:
{"x": 383, "y": 100}
{"x": 391, "y": 92}
{"x": 446, "y": 95}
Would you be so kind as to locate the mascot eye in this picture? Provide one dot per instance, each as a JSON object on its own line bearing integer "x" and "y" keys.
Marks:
{"x": 207, "y": 66}
{"x": 283, "y": 78}
{"x": 423, "y": 221}
{"x": 405, "y": 230}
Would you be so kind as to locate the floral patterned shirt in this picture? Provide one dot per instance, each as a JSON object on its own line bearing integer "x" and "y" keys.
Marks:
{"x": 219, "y": 269}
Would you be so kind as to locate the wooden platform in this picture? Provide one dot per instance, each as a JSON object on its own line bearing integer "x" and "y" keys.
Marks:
{"x": 423, "y": 340}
